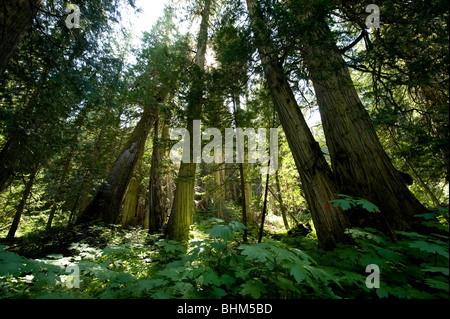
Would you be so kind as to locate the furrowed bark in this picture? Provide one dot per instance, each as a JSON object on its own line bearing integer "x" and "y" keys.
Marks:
{"x": 131, "y": 199}
{"x": 182, "y": 213}
{"x": 315, "y": 174}
{"x": 106, "y": 204}
{"x": 359, "y": 162}
{"x": 156, "y": 209}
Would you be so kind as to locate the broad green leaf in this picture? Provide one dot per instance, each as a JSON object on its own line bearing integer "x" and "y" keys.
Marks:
{"x": 149, "y": 284}
{"x": 123, "y": 278}
{"x": 237, "y": 226}
{"x": 209, "y": 277}
{"x": 342, "y": 203}
{"x": 348, "y": 254}
{"x": 443, "y": 270}
{"x": 284, "y": 283}
{"x": 218, "y": 293}
{"x": 281, "y": 254}
{"x": 438, "y": 284}
{"x": 410, "y": 234}
{"x": 304, "y": 256}
{"x": 253, "y": 288}
{"x": 430, "y": 248}
{"x": 381, "y": 293}
{"x": 368, "y": 206}
{"x": 221, "y": 231}
{"x": 183, "y": 287}
{"x": 426, "y": 216}
{"x": 297, "y": 272}
{"x": 256, "y": 252}
{"x": 227, "y": 280}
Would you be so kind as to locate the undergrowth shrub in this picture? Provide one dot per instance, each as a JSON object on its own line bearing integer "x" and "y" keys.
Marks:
{"x": 219, "y": 265}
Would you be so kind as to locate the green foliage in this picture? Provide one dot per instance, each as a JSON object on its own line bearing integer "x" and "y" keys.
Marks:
{"x": 134, "y": 265}
{"x": 414, "y": 267}
{"x": 347, "y": 202}
{"x": 71, "y": 102}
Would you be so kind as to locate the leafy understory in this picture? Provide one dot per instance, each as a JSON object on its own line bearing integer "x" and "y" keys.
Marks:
{"x": 220, "y": 265}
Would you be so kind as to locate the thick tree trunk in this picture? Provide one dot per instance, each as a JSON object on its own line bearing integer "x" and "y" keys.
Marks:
{"x": 15, "y": 19}
{"x": 359, "y": 162}
{"x": 315, "y": 174}
{"x": 244, "y": 194}
{"x": 182, "y": 213}
{"x": 168, "y": 178}
{"x": 156, "y": 209}
{"x": 107, "y": 203}
{"x": 131, "y": 200}
{"x": 23, "y": 201}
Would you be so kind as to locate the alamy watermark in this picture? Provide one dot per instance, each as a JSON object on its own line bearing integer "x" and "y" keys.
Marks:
{"x": 256, "y": 146}
{"x": 373, "y": 280}
{"x": 73, "y": 19}
{"x": 373, "y": 20}
{"x": 73, "y": 280}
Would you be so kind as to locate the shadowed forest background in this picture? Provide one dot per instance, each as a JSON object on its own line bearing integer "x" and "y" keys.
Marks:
{"x": 86, "y": 178}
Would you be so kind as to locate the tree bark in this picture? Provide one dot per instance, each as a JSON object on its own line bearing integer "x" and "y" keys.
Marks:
{"x": 168, "y": 178}
{"x": 248, "y": 191}
{"x": 131, "y": 198}
{"x": 244, "y": 194}
{"x": 359, "y": 162}
{"x": 107, "y": 203}
{"x": 15, "y": 19}
{"x": 156, "y": 213}
{"x": 315, "y": 174}
{"x": 263, "y": 214}
{"x": 23, "y": 201}
{"x": 280, "y": 200}
{"x": 182, "y": 214}
{"x": 218, "y": 195}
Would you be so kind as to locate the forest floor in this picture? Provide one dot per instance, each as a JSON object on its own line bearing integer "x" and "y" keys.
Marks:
{"x": 109, "y": 262}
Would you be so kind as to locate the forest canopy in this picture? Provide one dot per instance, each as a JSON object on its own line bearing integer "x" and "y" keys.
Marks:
{"x": 272, "y": 149}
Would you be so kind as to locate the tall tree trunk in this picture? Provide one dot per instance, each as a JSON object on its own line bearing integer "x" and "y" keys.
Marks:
{"x": 359, "y": 162}
{"x": 315, "y": 174}
{"x": 280, "y": 201}
{"x": 61, "y": 180}
{"x": 168, "y": 178}
{"x": 131, "y": 198}
{"x": 182, "y": 213}
{"x": 156, "y": 208}
{"x": 244, "y": 194}
{"x": 15, "y": 19}
{"x": 264, "y": 211}
{"x": 107, "y": 203}
{"x": 248, "y": 191}
{"x": 23, "y": 201}
{"x": 83, "y": 195}
{"x": 218, "y": 194}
